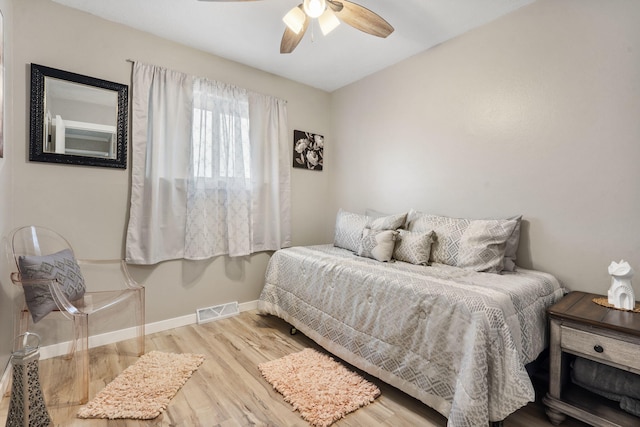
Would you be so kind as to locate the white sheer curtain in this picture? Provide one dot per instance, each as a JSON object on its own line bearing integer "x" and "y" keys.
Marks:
{"x": 215, "y": 178}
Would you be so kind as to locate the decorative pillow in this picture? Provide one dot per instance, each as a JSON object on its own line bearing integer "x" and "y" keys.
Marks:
{"x": 474, "y": 244}
{"x": 349, "y": 227}
{"x": 512, "y": 245}
{"x": 61, "y": 266}
{"x": 377, "y": 244}
{"x": 372, "y": 213}
{"x": 389, "y": 222}
{"x": 348, "y": 230}
{"x": 413, "y": 247}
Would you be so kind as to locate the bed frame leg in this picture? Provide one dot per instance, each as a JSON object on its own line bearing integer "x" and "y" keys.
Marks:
{"x": 496, "y": 423}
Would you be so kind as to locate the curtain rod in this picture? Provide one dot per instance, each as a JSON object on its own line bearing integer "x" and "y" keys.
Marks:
{"x": 133, "y": 62}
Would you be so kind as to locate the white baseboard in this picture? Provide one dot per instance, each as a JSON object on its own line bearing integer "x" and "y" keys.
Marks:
{"x": 60, "y": 349}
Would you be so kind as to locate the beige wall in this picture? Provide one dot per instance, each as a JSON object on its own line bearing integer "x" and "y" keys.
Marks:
{"x": 89, "y": 205}
{"x": 6, "y": 207}
{"x": 537, "y": 113}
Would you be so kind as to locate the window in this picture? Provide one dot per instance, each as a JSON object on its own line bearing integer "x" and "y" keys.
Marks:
{"x": 221, "y": 147}
{"x": 211, "y": 169}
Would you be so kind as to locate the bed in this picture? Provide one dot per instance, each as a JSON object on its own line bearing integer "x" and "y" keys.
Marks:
{"x": 454, "y": 338}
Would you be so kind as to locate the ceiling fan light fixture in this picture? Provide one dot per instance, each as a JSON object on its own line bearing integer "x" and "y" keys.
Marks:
{"x": 328, "y": 21}
{"x": 295, "y": 19}
{"x": 314, "y": 8}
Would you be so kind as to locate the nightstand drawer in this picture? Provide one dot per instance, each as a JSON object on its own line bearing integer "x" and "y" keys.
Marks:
{"x": 598, "y": 346}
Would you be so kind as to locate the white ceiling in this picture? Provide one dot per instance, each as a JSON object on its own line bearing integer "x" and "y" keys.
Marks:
{"x": 250, "y": 32}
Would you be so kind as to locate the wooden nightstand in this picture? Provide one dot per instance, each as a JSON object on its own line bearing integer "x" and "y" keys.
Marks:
{"x": 583, "y": 328}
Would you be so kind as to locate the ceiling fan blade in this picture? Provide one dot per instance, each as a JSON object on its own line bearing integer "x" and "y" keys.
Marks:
{"x": 361, "y": 18}
{"x": 335, "y": 5}
{"x": 290, "y": 39}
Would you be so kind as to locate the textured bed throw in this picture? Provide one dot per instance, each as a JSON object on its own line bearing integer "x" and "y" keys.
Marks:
{"x": 607, "y": 381}
{"x": 144, "y": 389}
{"x": 317, "y": 386}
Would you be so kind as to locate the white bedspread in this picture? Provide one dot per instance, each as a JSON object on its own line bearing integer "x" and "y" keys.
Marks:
{"x": 455, "y": 339}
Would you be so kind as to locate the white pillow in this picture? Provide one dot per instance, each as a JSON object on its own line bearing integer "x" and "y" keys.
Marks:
{"x": 377, "y": 244}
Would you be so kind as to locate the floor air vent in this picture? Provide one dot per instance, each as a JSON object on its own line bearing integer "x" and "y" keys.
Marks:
{"x": 217, "y": 312}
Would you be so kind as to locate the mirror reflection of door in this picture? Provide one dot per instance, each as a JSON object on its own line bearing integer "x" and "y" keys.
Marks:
{"x": 79, "y": 119}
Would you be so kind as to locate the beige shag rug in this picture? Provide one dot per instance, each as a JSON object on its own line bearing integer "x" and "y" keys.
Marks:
{"x": 317, "y": 386}
{"x": 144, "y": 389}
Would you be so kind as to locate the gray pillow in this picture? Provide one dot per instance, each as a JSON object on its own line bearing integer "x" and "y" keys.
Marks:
{"x": 512, "y": 245}
{"x": 60, "y": 266}
{"x": 348, "y": 230}
{"x": 389, "y": 222}
{"x": 349, "y": 227}
{"x": 476, "y": 244}
{"x": 413, "y": 247}
{"x": 374, "y": 213}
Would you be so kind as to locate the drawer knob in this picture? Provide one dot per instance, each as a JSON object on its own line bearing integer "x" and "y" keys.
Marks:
{"x": 598, "y": 348}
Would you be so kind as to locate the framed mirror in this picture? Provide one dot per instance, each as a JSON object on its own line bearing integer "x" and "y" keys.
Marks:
{"x": 77, "y": 120}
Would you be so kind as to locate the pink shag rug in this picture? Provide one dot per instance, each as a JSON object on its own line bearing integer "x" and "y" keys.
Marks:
{"x": 317, "y": 386}
{"x": 144, "y": 389}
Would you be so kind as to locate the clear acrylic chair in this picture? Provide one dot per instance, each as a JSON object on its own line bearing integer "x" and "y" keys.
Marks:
{"x": 42, "y": 261}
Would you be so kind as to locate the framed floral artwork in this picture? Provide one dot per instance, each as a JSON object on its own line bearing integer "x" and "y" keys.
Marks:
{"x": 308, "y": 150}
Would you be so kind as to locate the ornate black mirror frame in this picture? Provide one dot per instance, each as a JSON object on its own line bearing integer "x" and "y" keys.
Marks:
{"x": 37, "y": 153}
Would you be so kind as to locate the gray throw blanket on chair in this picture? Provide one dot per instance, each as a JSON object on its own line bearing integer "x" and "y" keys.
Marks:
{"x": 607, "y": 381}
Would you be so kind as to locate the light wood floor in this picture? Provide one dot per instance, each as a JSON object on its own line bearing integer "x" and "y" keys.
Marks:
{"x": 228, "y": 390}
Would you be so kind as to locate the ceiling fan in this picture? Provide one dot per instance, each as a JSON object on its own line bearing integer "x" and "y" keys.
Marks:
{"x": 329, "y": 13}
